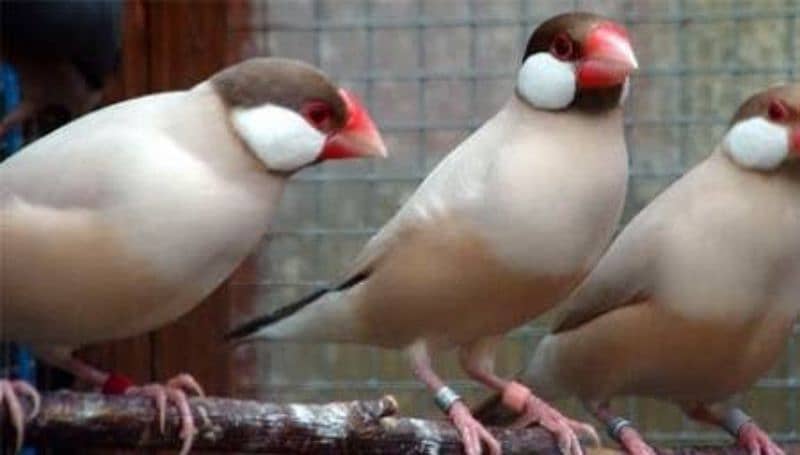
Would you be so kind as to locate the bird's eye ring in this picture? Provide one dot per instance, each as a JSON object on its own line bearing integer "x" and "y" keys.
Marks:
{"x": 562, "y": 47}
{"x": 318, "y": 114}
{"x": 777, "y": 111}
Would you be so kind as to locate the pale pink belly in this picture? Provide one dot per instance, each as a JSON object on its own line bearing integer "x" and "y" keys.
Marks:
{"x": 642, "y": 350}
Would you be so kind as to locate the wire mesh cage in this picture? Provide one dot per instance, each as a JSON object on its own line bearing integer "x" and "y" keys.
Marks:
{"x": 431, "y": 71}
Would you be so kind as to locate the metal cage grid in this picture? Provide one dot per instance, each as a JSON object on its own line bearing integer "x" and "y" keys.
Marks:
{"x": 433, "y": 70}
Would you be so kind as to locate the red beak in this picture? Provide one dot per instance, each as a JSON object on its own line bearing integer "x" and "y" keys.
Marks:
{"x": 358, "y": 138}
{"x": 608, "y": 57}
{"x": 795, "y": 140}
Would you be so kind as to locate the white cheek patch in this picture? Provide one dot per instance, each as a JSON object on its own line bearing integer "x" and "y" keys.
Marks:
{"x": 757, "y": 144}
{"x": 280, "y": 137}
{"x": 546, "y": 82}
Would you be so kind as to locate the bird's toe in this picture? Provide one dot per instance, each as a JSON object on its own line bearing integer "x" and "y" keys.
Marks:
{"x": 10, "y": 393}
{"x": 187, "y": 383}
{"x": 174, "y": 392}
{"x": 473, "y": 434}
{"x": 756, "y": 441}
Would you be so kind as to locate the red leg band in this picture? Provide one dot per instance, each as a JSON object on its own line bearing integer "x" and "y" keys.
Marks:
{"x": 515, "y": 395}
{"x": 116, "y": 384}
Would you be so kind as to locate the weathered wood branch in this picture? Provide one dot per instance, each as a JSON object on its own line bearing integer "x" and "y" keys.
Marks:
{"x": 91, "y": 421}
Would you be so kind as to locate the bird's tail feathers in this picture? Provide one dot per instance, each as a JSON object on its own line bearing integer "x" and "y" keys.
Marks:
{"x": 317, "y": 316}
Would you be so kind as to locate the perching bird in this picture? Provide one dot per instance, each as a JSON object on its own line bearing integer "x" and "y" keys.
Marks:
{"x": 696, "y": 297}
{"x": 63, "y": 50}
{"x": 498, "y": 233}
{"x": 125, "y": 219}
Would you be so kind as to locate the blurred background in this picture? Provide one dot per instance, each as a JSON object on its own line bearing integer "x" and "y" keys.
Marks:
{"x": 431, "y": 71}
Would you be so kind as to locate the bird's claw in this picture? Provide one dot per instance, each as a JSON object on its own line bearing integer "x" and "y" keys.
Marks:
{"x": 756, "y": 441}
{"x": 566, "y": 430}
{"x": 533, "y": 410}
{"x": 10, "y": 391}
{"x": 472, "y": 432}
{"x": 174, "y": 391}
{"x": 187, "y": 383}
{"x": 633, "y": 443}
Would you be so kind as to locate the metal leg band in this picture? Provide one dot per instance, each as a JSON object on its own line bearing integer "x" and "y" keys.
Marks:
{"x": 615, "y": 426}
{"x": 734, "y": 420}
{"x": 444, "y": 398}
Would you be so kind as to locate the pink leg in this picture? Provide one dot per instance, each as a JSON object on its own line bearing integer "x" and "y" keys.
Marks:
{"x": 478, "y": 361}
{"x": 620, "y": 430}
{"x": 10, "y": 391}
{"x": 747, "y": 433}
{"x": 20, "y": 114}
{"x": 472, "y": 432}
{"x": 757, "y": 441}
{"x": 174, "y": 391}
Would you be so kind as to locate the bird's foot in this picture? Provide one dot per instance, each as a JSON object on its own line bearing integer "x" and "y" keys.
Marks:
{"x": 633, "y": 443}
{"x": 472, "y": 432}
{"x": 10, "y": 391}
{"x": 175, "y": 391}
{"x": 756, "y": 441}
{"x": 533, "y": 410}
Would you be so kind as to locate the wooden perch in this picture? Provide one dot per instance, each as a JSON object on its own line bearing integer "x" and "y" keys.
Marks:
{"x": 91, "y": 421}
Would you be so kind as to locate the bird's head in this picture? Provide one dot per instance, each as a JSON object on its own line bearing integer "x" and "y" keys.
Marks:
{"x": 765, "y": 131}
{"x": 576, "y": 59}
{"x": 291, "y": 115}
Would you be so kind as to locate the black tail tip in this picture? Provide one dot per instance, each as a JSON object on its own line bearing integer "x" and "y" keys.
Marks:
{"x": 239, "y": 334}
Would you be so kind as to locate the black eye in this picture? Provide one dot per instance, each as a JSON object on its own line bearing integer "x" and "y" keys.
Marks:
{"x": 318, "y": 114}
{"x": 562, "y": 47}
{"x": 778, "y": 112}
